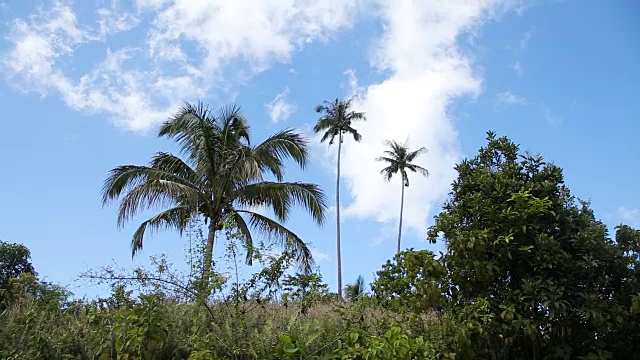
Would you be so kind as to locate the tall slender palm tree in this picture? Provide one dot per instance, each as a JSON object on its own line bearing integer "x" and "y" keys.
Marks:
{"x": 399, "y": 159}
{"x": 221, "y": 179}
{"x": 336, "y": 120}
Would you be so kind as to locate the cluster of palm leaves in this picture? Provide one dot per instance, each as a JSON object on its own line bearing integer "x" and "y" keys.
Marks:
{"x": 222, "y": 177}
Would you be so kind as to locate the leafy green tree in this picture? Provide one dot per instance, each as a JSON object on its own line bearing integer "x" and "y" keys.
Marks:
{"x": 305, "y": 289}
{"x": 15, "y": 259}
{"x": 399, "y": 159}
{"x": 336, "y": 121}
{"x": 414, "y": 280}
{"x": 223, "y": 173}
{"x": 530, "y": 269}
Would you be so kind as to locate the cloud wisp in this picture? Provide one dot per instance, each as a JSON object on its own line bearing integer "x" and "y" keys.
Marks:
{"x": 280, "y": 108}
{"x": 186, "y": 46}
{"x": 509, "y": 98}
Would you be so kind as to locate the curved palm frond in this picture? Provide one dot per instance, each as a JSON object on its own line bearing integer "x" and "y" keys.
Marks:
{"x": 328, "y": 107}
{"x": 413, "y": 154}
{"x": 124, "y": 178}
{"x": 356, "y": 135}
{"x": 282, "y": 196}
{"x": 388, "y": 172}
{"x": 286, "y": 238}
{"x": 324, "y": 123}
{"x": 157, "y": 193}
{"x": 195, "y": 129}
{"x": 176, "y": 217}
{"x": 283, "y": 145}
{"x": 418, "y": 169}
{"x": 233, "y": 125}
{"x": 248, "y": 239}
{"x": 176, "y": 166}
{"x": 354, "y": 116}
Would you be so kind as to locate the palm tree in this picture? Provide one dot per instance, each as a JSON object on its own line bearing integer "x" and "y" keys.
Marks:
{"x": 399, "y": 158}
{"x": 221, "y": 179}
{"x": 336, "y": 120}
{"x": 355, "y": 290}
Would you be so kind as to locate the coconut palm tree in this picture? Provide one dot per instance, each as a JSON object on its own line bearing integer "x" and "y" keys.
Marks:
{"x": 399, "y": 159}
{"x": 336, "y": 121}
{"x": 221, "y": 179}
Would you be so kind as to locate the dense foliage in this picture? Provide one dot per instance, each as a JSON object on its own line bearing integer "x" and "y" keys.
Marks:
{"x": 15, "y": 259}
{"x": 528, "y": 273}
{"x": 528, "y": 268}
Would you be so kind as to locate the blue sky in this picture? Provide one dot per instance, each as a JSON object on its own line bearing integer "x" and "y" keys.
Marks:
{"x": 85, "y": 84}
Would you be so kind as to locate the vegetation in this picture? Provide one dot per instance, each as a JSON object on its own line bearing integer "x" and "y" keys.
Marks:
{"x": 15, "y": 259}
{"x": 336, "y": 120}
{"x": 356, "y": 290}
{"x": 528, "y": 272}
{"x": 223, "y": 175}
{"x": 399, "y": 159}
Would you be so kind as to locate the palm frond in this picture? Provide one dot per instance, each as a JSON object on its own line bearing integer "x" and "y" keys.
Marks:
{"x": 126, "y": 177}
{"x": 413, "y": 154}
{"x": 356, "y": 135}
{"x": 286, "y": 144}
{"x": 174, "y": 165}
{"x": 282, "y": 196}
{"x": 234, "y": 126}
{"x": 353, "y": 116}
{"x": 323, "y": 124}
{"x": 285, "y": 237}
{"x": 387, "y": 160}
{"x": 246, "y": 233}
{"x": 176, "y": 218}
{"x": 195, "y": 129}
{"x": 419, "y": 169}
{"x": 389, "y": 171}
{"x": 156, "y": 194}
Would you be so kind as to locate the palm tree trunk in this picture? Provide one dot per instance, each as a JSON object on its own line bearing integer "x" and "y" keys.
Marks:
{"x": 338, "y": 220}
{"x": 401, "y": 208}
{"x": 208, "y": 252}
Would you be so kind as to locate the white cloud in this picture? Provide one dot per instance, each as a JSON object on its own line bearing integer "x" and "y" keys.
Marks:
{"x": 279, "y": 108}
{"x": 114, "y": 20}
{"x": 319, "y": 256}
{"x": 256, "y": 32}
{"x": 352, "y": 83}
{"x": 187, "y": 48}
{"x": 552, "y": 119}
{"x": 517, "y": 67}
{"x": 425, "y": 74}
{"x": 524, "y": 41}
{"x": 508, "y": 98}
{"x": 631, "y": 216}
